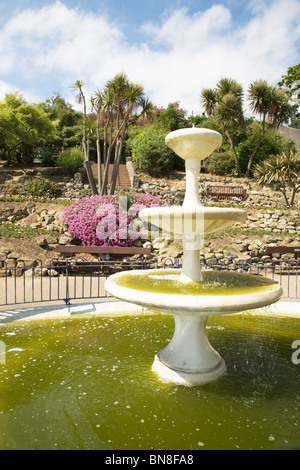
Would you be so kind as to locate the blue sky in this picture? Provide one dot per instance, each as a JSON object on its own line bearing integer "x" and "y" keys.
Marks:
{"x": 173, "y": 47}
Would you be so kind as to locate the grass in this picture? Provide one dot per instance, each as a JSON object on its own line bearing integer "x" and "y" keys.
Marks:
{"x": 14, "y": 230}
{"x": 233, "y": 231}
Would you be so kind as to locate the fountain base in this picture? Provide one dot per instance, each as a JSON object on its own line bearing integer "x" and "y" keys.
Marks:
{"x": 188, "y": 379}
{"x": 189, "y": 359}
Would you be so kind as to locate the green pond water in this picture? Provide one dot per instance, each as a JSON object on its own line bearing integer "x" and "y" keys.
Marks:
{"x": 165, "y": 281}
{"x": 85, "y": 382}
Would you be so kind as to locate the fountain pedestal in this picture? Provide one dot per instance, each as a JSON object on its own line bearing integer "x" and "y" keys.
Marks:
{"x": 189, "y": 358}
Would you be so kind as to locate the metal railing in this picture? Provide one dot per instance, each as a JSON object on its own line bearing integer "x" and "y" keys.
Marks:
{"x": 77, "y": 278}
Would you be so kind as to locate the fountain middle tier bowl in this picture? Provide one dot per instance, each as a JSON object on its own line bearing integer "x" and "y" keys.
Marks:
{"x": 219, "y": 293}
{"x": 192, "y": 220}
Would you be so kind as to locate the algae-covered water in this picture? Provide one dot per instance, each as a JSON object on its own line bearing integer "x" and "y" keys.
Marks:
{"x": 86, "y": 383}
{"x": 167, "y": 281}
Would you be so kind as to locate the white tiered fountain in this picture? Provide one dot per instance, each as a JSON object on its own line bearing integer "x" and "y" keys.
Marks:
{"x": 192, "y": 295}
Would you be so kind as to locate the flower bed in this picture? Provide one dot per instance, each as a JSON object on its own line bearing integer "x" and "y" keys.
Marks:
{"x": 108, "y": 220}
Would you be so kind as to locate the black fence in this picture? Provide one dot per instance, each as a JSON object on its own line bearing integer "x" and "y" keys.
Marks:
{"x": 23, "y": 282}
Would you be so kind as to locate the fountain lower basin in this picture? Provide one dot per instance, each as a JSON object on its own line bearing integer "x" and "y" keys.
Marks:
{"x": 189, "y": 359}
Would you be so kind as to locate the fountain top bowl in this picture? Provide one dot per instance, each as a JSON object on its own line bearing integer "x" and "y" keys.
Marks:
{"x": 193, "y": 142}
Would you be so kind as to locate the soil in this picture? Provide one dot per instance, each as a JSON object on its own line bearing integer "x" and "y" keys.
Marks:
{"x": 28, "y": 248}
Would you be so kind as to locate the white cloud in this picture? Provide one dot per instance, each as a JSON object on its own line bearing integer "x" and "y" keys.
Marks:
{"x": 180, "y": 55}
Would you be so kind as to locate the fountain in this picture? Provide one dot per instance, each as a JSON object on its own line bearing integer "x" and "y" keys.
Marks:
{"x": 192, "y": 295}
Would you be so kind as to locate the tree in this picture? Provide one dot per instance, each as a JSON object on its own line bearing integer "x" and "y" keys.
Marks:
{"x": 284, "y": 172}
{"x": 87, "y": 125}
{"x": 291, "y": 83}
{"x": 119, "y": 106}
{"x": 208, "y": 98}
{"x": 173, "y": 117}
{"x": 96, "y": 104}
{"x": 226, "y": 104}
{"x": 23, "y": 127}
{"x": 270, "y": 103}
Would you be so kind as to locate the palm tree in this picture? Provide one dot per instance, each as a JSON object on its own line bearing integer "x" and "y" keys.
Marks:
{"x": 78, "y": 87}
{"x": 270, "y": 103}
{"x": 121, "y": 103}
{"x": 96, "y": 105}
{"x": 282, "y": 170}
{"x": 229, "y": 85}
{"x": 225, "y": 102}
{"x": 229, "y": 113}
{"x": 208, "y": 98}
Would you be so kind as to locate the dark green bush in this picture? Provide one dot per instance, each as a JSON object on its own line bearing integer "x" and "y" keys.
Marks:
{"x": 150, "y": 153}
{"x": 41, "y": 187}
{"x": 70, "y": 161}
{"x": 221, "y": 163}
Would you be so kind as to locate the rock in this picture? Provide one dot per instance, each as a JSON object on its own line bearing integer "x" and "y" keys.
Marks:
{"x": 147, "y": 245}
{"x": 52, "y": 272}
{"x": 158, "y": 243}
{"x": 42, "y": 242}
{"x": 64, "y": 240}
{"x": 39, "y": 272}
{"x": 14, "y": 255}
{"x": 30, "y": 207}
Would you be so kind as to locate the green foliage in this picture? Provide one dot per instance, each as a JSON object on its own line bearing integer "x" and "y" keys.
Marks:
{"x": 221, "y": 163}
{"x": 271, "y": 144}
{"x": 40, "y": 187}
{"x": 24, "y": 127}
{"x": 14, "y": 230}
{"x": 150, "y": 153}
{"x": 173, "y": 117}
{"x": 284, "y": 172}
{"x": 70, "y": 161}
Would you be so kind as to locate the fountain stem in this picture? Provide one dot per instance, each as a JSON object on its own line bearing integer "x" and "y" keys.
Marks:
{"x": 192, "y": 168}
{"x": 191, "y": 269}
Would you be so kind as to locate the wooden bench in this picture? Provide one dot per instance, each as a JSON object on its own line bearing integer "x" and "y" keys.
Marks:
{"x": 103, "y": 250}
{"x": 295, "y": 250}
{"x": 226, "y": 191}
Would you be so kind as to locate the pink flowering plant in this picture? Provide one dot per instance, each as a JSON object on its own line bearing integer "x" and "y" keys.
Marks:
{"x": 110, "y": 220}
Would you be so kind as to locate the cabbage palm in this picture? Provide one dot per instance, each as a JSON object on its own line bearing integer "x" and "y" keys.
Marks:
{"x": 225, "y": 102}
{"x": 283, "y": 171}
{"x": 78, "y": 87}
{"x": 270, "y": 103}
{"x": 121, "y": 103}
{"x": 208, "y": 98}
{"x": 229, "y": 111}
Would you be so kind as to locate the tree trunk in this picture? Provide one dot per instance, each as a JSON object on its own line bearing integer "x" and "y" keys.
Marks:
{"x": 91, "y": 179}
{"x": 234, "y": 153}
{"x": 99, "y": 157}
{"x": 250, "y": 163}
{"x": 256, "y": 147}
{"x": 117, "y": 160}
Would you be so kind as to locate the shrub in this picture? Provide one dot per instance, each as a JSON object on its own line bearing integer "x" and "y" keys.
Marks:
{"x": 150, "y": 153}
{"x": 40, "y": 187}
{"x": 70, "y": 161}
{"x": 221, "y": 163}
{"x": 98, "y": 220}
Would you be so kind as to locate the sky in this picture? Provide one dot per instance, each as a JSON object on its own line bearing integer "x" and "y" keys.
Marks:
{"x": 174, "y": 48}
